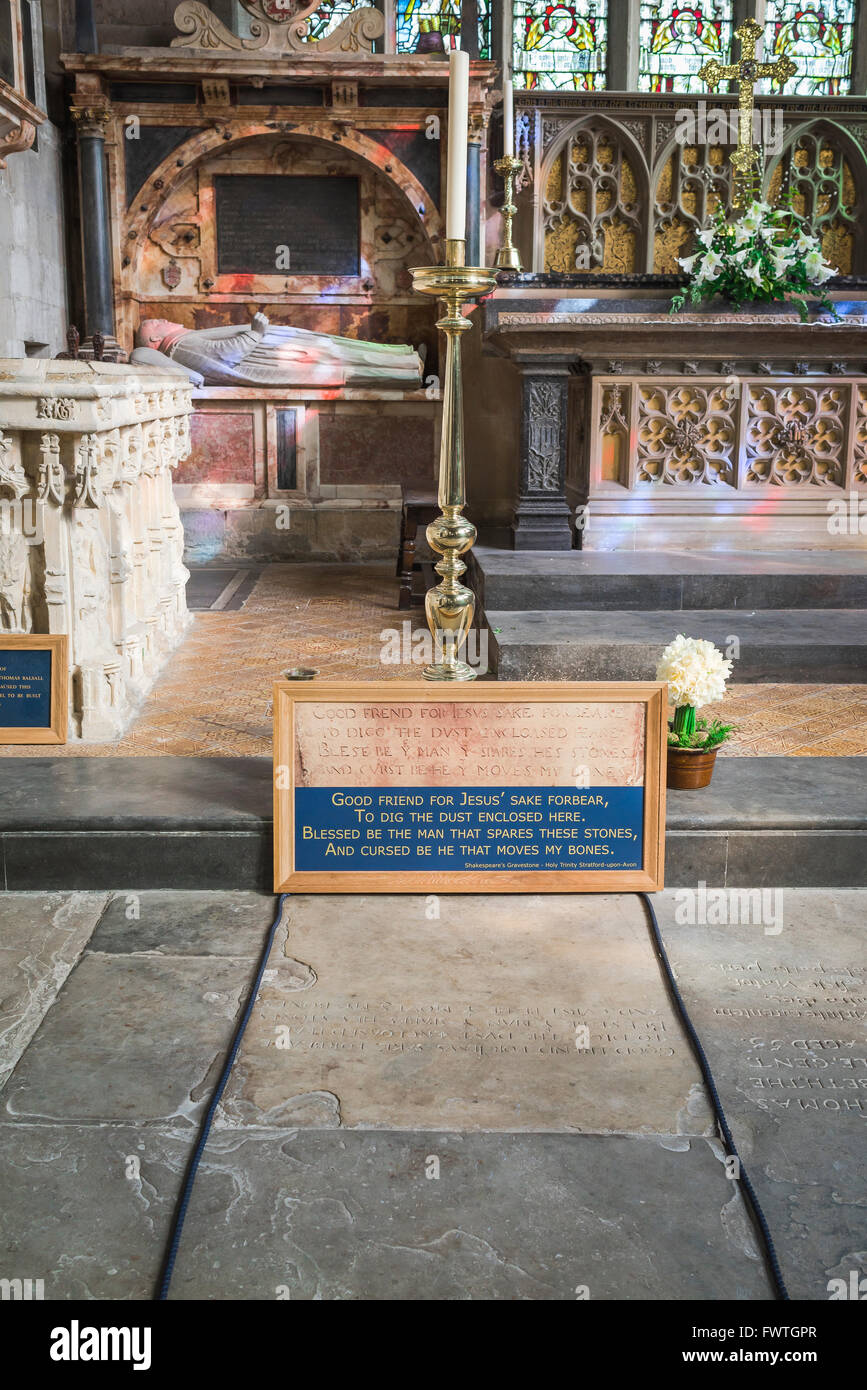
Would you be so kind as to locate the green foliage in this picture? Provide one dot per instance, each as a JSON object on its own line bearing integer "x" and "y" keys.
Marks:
{"x": 706, "y": 735}
{"x": 767, "y": 256}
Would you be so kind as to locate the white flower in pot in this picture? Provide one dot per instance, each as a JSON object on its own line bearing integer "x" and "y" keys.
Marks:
{"x": 696, "y": 672}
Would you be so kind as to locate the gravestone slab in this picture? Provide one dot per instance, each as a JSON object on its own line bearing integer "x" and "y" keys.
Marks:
{"x": 505, "y": 1012}
{"x": 775, "y": 985}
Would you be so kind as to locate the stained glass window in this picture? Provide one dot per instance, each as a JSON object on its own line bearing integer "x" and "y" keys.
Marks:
{"x": 560, "y": 46}
{"x": 675, "y": 41}
{"x": 817, "y": 38}
{"x": 328, "y": 15}
{"x": 415, "y": 16}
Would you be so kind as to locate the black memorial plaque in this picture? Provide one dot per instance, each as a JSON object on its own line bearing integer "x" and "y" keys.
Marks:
{"x": 315, "y": 216}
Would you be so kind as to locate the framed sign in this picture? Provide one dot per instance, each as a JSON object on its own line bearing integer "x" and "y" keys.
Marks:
{"x": 33, "y": 688}
{"x": 393, "y": 787}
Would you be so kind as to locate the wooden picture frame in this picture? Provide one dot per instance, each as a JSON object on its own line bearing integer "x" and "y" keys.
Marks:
{"x": 290, "y": 699}
{"x": 55, "y": 730}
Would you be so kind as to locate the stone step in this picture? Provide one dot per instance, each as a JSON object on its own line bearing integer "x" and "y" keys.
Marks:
{"x": 826, "y": 645}
{"x": 196, "y": 823}
{"x": 586, "y": 579}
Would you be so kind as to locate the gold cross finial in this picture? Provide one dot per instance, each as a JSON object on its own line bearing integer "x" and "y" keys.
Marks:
{"x": 747, "y": 158}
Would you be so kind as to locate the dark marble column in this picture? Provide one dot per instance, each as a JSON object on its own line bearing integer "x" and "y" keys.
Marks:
{"x": 95, "y": 226}
{"x": 542, "y": 517}
{"x": 85, "y": 27}
{"x": 474, "y": 197}
{"x": 470, "y": 30}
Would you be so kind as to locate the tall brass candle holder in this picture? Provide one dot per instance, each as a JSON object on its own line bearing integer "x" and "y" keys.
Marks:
{"x": 451, "y": 605}
{"x": 508, "y": 257}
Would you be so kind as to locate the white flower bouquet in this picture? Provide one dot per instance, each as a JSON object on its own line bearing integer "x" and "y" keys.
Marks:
{"x": 767, "y": 255}
{"x": 696, "y": 673}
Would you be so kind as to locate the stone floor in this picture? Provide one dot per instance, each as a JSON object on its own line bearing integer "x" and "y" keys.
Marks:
{"x": 213, "y": 699}
{"x": 415, "y": 1112}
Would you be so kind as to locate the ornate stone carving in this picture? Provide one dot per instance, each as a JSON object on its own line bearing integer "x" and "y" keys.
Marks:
{"x": 544, "y": 461}
{"x": 13, "y": 479}
{"x": 692, "y": 183}
{"x": 859, "y": 470}
{"x": 524, "y": 150}
{"x": 277, "y": 26}
{"x": 815, "y": 174}
{"x": 51, "y": 481}
{"x": 103, "y": 561}
{"x": 91, "y": 118}
{"x": 16, "y": 138}
{"x": 796, "y": 434}
{"x": 613, "y": 418}
{"x": 203, "y": 29}
{"x": 86, "y": 487}
{"x": 592, "y": 211}
{"x": 686, "y": 434}
{"x": 57, "y": 408}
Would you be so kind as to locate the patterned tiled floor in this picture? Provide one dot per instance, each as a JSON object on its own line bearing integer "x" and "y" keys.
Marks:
{"x": 214, "y": 696}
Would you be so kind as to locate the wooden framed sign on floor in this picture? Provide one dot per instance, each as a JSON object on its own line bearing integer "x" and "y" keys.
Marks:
{"x": 33, "y": 688}
{"x": 394, "y": 787}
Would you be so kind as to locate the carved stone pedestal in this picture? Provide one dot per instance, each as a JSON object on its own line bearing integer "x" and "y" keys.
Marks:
{"x": 542, "y": 515}
{"x": 91, "y": 542}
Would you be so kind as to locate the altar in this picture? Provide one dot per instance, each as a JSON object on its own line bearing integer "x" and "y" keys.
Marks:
{"x": 710, "y": 428}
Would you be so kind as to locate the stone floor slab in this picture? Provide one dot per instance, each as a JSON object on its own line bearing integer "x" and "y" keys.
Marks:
{"x": 341, "y": 1216}
{"x": 312, "y": 1216}
{"x": 132, "y": 1038}
{"x": 88, "y": 1209}
{"x": 185, "y": 924}
{"x": 42, "y": 936}
{"x": 504, "y": 1012}
{"x": 782, "y": 1016}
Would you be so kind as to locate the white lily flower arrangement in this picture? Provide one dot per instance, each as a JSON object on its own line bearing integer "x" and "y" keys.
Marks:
{"x": 767, "y": 255}
{"x": 696, "y": 672}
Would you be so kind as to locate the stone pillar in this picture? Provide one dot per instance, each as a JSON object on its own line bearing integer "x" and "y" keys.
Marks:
{"x": 476, "y": 141}
{"x": 90, "y": 122}
{"x": 623, "y": 47}
{"x": 542, "y": 517}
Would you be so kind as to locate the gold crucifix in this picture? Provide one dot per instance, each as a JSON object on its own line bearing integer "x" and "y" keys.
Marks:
{"x": 747, "y": 157}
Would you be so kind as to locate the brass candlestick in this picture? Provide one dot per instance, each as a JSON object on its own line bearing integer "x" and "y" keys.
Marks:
{"x": 508, "y": 257}
{"x": 450, "y": 606}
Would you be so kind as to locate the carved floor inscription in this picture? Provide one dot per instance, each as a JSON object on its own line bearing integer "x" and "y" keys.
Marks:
{"x": 512, "y": 1012}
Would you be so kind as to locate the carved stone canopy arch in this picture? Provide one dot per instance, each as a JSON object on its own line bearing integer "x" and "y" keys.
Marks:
{"x": 276, "y": 26}
{"x": 593, "y": 210}
{"x": 822, "y": 170}
{"x": 183, "y": 160}
{"x": 691, "y": 181}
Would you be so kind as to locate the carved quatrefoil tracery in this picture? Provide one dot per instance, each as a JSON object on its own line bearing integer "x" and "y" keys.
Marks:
{"x": 796, "y": 434}
{"x": 686, "y": 434}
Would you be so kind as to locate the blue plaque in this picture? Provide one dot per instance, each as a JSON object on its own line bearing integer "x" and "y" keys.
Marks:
{"x": 25, "y": 688}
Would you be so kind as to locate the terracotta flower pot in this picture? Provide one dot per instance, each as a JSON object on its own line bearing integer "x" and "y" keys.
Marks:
{"x": 690, "y": 768}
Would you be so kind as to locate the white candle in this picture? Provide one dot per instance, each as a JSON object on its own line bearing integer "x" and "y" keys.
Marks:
{"x": 508, "y": 115}
{"x": 459, "y": 111}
